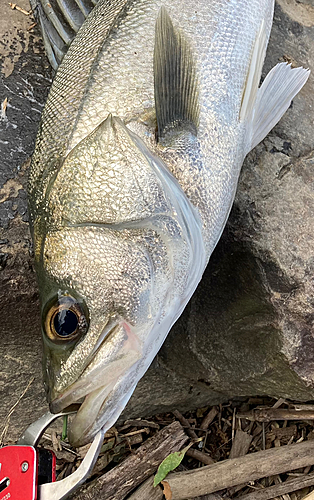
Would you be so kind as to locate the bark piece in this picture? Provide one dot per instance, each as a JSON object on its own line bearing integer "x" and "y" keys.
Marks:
{"x": 241, "y": 444}
{"x": 282, "y": 433}
{"x": 221, "y": 475}
{"x": 121, "y": 480}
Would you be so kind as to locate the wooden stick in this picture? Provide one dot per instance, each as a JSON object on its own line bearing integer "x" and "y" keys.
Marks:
{"x": 280, "y": 489}
{"x": 310, "y": 496}
{"x": 136, "y": 468}
{"x": 147, "y": 491}
{"x": 235, "y": 471}
{"x": 185, "y": 423}
{"x": 212, "y": 496}
{"x": 14, "y": 6}
{"x": 200, "y": 456}
{"x": 138, "y": 423}
{"x": 268, "y": 414}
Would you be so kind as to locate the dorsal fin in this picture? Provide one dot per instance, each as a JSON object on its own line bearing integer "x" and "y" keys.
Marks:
{"x": 175, "y": 79}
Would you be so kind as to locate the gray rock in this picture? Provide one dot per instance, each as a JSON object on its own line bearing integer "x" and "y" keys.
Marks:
{"x": 248, "y": 330}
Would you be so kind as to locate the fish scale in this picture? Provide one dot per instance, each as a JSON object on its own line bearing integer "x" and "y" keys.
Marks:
{"x": 127, "y": 91}
{"x": 129, "y": 194}
{"x": 65, "y": 98}
{"x": 130, "y": 91}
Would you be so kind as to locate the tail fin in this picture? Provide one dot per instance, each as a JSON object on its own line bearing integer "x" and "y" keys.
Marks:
{"x": 263, "y": 107}
{"x": 273, "y": 99}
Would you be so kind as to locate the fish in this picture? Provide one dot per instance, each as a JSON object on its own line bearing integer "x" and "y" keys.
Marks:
{"x": 141, "y": 142}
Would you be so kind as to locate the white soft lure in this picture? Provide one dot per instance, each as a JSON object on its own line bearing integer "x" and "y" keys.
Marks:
{"x": 142, "y": 139}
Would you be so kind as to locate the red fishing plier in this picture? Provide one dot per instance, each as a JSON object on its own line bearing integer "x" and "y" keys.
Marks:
{"x": 29, "y": 473}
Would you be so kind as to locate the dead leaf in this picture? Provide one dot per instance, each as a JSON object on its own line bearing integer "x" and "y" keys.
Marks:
{"x": 167, "y": 490}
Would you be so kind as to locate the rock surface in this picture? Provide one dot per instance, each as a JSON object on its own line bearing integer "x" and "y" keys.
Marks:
{"x": 248, "y": 329}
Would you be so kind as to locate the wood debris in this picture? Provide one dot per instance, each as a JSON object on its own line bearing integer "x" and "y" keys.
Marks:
{"x": 228, "y": 473}
{"x": 209, "y": 418}
{"x": 202, "y": 457}
{"x": 15, "y": 6}
{"x": 255, "y": 449}
{"x": 118, "y": 482}
{"x": 139, "y": 423}
{"x": 268, "y": 414}
{"x": 241, "y": 444}
{"x": 31, "y": 26}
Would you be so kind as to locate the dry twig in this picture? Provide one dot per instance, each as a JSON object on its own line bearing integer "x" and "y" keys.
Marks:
{"x": 185, "y": 423}
{"x": 14, "y": 6}
{"x": 221, "y": 475}
{"x": 7, "y": 420}
{"x": 280, "y": 489}
{"x": 200, "y": 456}
{"x": 136, "y": 468}
{"x": 268, "y": 414}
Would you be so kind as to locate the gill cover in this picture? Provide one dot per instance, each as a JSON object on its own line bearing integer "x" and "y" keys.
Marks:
{"x": 127, "y": 242}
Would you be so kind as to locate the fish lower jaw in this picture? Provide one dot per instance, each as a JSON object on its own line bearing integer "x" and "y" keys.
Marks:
{"x": 83, "y": 426}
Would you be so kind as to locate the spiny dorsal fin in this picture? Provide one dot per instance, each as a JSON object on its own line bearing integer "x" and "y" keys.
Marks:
{"x": 175, "y": 80}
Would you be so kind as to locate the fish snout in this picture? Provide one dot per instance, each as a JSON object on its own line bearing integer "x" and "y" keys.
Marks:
{"x": 112, "y": 365}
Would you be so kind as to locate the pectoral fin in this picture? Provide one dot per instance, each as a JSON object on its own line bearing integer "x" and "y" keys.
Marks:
{"x": 175, "y": 79}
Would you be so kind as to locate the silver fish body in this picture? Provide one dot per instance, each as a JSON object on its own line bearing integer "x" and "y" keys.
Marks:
{"x": 123, "y": 224}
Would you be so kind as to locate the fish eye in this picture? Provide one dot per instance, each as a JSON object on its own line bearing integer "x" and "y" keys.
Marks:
{"x": 64, "y": 319}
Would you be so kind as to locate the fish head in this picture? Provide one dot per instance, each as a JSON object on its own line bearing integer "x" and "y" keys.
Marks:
{"x": 96, "y": 320}
{"x": 112, "y": 272}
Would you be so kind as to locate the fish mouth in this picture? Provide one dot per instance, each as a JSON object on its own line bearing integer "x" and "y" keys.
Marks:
{"x": 83, "y": 426}
{"x": 95, "y": 387}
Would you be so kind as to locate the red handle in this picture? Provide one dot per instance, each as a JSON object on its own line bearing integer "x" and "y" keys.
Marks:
{"x": 18, "y": 473}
